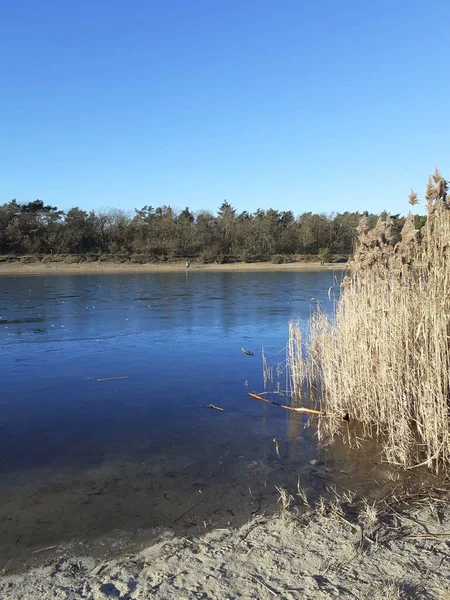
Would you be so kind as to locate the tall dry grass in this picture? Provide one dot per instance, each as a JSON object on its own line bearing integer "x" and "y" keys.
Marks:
{"x": 384, "y": 355}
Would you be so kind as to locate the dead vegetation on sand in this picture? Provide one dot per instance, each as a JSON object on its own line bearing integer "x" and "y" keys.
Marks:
{"x": 298, "y": 554}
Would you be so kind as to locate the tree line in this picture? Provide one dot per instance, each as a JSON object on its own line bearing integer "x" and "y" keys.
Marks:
{"x": 154, "y": 234}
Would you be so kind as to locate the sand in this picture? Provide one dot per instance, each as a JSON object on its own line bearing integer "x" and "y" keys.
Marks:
{"x": 290, "y": 555}
{"x": 61, "y": 268}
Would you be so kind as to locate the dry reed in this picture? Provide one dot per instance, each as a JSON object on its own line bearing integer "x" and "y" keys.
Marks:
{"x": 384, "y": 355}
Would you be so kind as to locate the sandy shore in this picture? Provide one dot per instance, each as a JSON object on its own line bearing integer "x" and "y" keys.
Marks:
{"x": 290, "y": 556}
{"x": 59, "y": 268}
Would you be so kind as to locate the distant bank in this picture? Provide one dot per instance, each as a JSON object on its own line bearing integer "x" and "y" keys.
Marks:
{"x": 56, "y": 268}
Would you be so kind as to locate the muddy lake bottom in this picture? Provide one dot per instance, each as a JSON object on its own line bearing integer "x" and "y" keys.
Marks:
{"x": 103, "y": 467}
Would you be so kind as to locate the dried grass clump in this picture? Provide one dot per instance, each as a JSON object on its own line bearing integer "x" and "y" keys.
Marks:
{"x": 284, "y": 499}
{"x": 389, "y": 591}
{"x": 384, "y": 355}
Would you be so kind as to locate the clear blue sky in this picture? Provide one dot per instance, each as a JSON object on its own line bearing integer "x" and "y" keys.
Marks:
{"x": 325, "y": 106}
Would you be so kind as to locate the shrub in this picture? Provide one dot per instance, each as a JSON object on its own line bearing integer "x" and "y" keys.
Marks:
{"x": 325, "y": 255}
{"x": 245, "y": 256}
{"x": 208, "y": 256}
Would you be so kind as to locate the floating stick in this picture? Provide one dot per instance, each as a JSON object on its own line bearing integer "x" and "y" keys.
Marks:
{"x": 213, "y": 406}
{"x": 43, "y": 549}
{"x": 308, "y": 411}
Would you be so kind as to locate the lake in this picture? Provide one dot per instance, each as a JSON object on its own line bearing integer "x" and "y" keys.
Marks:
{"x": 107, "y": 465}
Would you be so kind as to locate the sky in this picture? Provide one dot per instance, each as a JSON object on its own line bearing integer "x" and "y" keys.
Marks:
{"x": 321, "y": 106}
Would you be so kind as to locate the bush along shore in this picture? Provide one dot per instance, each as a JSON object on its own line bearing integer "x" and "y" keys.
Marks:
{"x": 141, "y": 259}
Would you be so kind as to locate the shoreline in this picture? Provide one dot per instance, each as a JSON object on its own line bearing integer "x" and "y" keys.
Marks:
{"x": 306, "y": 554}
{"x": 92, "y": 268}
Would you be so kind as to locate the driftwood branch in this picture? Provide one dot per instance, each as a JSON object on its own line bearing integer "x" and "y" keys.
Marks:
{"x": 307, "y": 411}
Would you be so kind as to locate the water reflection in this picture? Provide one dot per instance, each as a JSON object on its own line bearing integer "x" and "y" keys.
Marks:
{"x": 136, "y": 303}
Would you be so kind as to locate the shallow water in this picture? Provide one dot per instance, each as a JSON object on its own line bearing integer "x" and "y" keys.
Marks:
{"x": 84, "y": 459}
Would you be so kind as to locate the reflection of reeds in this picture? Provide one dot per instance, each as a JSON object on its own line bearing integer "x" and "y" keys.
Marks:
{"x": 273, "y": 373}
{"x": 267, "y": 372}
{"x": 384, "y": 356}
